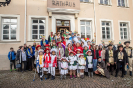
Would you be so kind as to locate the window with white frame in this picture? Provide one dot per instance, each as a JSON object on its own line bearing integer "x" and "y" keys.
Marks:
{"x": 38, "y": 28}
{"x": 106, "y": 30}
{"x": 85, "y": 0}
{"x": 85, "y": 27}
{"x": 124, "y": 30}
{"x": 123, "y": 3}
{"x": 105, "y": 2}
{"x": 9, "y": 28}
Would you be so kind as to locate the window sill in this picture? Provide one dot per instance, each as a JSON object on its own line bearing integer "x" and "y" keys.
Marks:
{"x": 107, "y": 40}
{"x": 122, "y": 7}
{"x": 34, "y": 40}
{"x": 104, "y": 4}
{"x": 10, "y": 41}
{"x": 87, "y": 2}
{"x": 123, "y": 40}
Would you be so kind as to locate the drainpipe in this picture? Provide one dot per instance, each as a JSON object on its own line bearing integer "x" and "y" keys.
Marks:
{"x": 95, "y": 22}
{"x": 25, "y": 21}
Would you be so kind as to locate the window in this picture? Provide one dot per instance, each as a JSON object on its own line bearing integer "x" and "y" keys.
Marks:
{"x": 106, "y": 30}
{"x": 84, "y": 0}
{"x": 86, "y": 29}
{"x": 9, "y": 28}
{"x": 105, "y": 2}
{"x": 124, "y": 30}
{"x": 38, "y": 28}
{"x": 123, "y": 3}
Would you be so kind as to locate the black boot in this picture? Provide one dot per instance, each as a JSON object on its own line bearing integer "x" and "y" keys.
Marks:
{"x": 52, "y": 78}
{"x": 41, "y": 79}
{"x": 130, "y": 73}
{"x": 122, "y": 76}
{"x": 125, "y": 72}
{"x": 116, "y": 75}
{"x": 48, "y": 76}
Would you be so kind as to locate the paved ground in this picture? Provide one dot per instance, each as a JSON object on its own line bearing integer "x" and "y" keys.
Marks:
{"x": 25, "y": 80}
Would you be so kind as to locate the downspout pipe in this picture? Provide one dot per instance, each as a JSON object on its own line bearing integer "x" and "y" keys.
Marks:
{"x": 95, "y": 22}
{"x": 25, "y": 21}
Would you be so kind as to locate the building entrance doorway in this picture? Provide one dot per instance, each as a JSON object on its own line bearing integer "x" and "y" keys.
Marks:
{"x": 63, "y": 25}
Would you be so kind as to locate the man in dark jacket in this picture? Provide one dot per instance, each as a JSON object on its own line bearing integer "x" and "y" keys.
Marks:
{"x": 109, "y": 55}
{"x": 128, "y": 50}
{"x": 121, "y": 59}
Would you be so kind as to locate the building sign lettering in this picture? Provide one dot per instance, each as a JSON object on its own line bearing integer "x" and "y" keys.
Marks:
{"x": 63, "y": 3}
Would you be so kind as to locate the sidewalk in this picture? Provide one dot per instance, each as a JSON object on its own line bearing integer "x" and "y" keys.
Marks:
{"x": 25, "y": 80}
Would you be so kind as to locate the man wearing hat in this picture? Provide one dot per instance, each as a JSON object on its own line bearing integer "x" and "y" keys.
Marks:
{"x": 110, "y": 55}
{"x": 128, "y": 50}
{"x": 121, "y": 59}
{"x": 114, "y": 48}
{"x": 43, "y": 39}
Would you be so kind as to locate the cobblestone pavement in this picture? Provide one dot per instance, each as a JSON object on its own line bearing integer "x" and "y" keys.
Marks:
{"x": 25, "y": 80}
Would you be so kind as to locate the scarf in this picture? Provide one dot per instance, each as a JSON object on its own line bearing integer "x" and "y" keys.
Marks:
{"x": 40, "y": 59}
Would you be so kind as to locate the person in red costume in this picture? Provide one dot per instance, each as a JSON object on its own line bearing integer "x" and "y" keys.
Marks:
{"x": 78, "y": 46}
{"x": 47, "y": 61}
{"x": 64, "y": 41}
{"x": 100, "y": 50}
{"x": 89, "y": 44}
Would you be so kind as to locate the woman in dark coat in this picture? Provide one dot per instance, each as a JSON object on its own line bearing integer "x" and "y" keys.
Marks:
{"x": 95, "y": 57}
{"x": 102, "y": 69}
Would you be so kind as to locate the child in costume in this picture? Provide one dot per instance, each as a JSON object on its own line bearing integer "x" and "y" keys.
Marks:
{"x": 84, "y": 52}
{"x": 40, "y": 64}
{"x": 53, "y": 44}
{"x": 64, "y": 68}
{"x": 89, "y": 63}
{"x": 72, "y": 64}
{"x": 77, "y": 56}
{"x": 47, "y": 62}
{"x": 82, "y": 64}
{"x": 53, "y": 63}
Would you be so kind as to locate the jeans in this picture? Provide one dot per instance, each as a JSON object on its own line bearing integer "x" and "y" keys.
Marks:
{"x": 11, "y": 63}
{"x": 94, "y": 64}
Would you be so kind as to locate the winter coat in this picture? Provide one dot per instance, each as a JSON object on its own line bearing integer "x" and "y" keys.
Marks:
{"x": 19, "y": 56}
{"x": 29, "y": 54}
{"x": 107, "y": 55}
{"x": 125, "y": 57}
{"x": 36, "y": 55}
{"x": 97, "y": 56}
{"x": 41, "y": 43}
{"x": 61, "y": 52}
{"x": 13, "y": 55}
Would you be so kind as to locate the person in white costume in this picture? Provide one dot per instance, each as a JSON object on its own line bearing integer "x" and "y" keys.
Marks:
{"x": 53, "y": 64}
{"x": 64, "y": 68}
{"x": 82, "y": 64}
{"x": 72, "y": 64}
{"x": 40, "y": 64}
{"x": 89, "y": 63}
{"x": 78, "y": 51}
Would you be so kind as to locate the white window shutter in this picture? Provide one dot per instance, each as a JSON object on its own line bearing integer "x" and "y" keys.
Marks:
{"x": 127, "y": 3}
{"x": 98, "y": 1}
{"x": 110, "y": 2}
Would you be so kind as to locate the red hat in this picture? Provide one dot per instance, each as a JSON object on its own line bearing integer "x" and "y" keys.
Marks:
{"x": 58, "y": 43}
{"x": 81, "y": 55}
{"x": 46, "y": 49}
{"x": 53, "y": 40}
{"x": 63, "y": 58}
{"x": 47, "y": 45}
{"x": 78, "y": 50}
{"x": 88, "y": 51}
{"x": 38, "y": 46}
{"x": 72, "y": 52}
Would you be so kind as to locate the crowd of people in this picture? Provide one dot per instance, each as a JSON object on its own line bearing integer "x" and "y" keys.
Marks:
{"x": 72, "y": 55}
